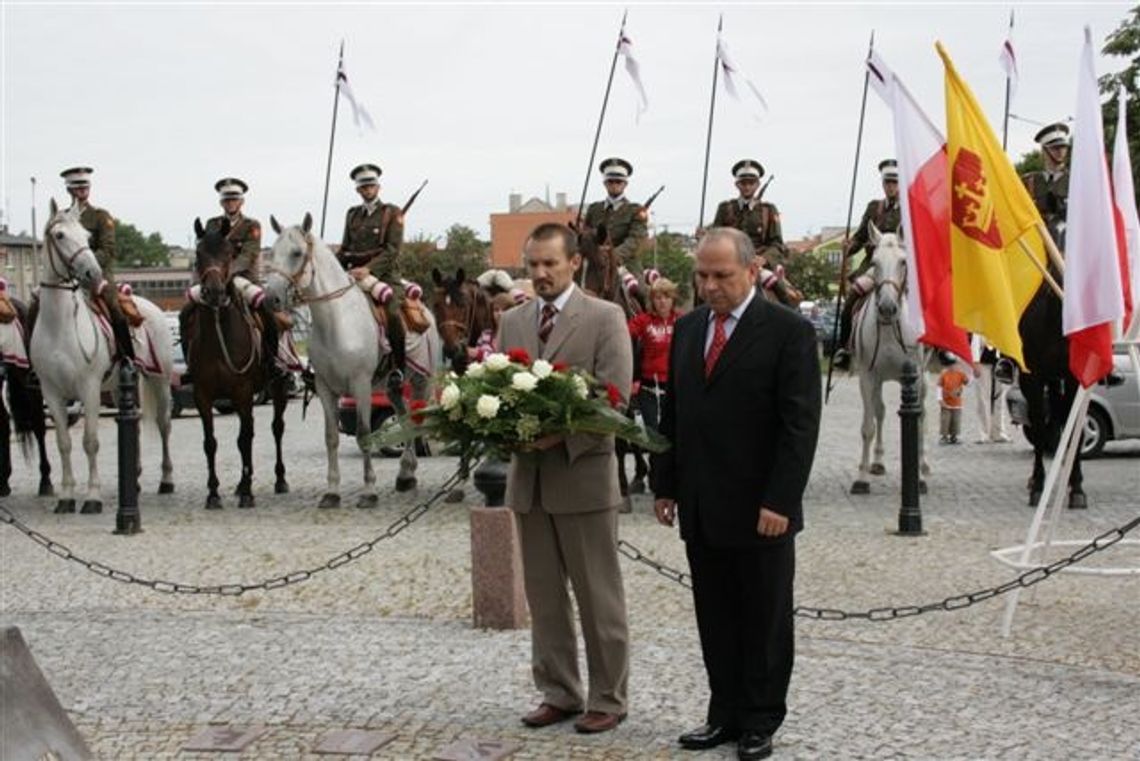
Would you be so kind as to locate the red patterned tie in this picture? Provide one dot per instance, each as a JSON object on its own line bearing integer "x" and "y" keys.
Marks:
{"x": 547, "y": 323}
{"x": 720, "y": 338}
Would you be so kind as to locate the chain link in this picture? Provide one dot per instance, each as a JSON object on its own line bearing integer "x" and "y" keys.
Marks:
{"x": 236, "y": 589}
{"x": 893, "y": 613}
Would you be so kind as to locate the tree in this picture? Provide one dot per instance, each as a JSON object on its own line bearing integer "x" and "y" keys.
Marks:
{"x": 137, "y": 250}
{"x": 814, "y": 273}
{"x": 462, "y": 248}
{"x": 1030, "y": 162}
{"x": 674, "y": 262}
{"x": 1124, "y": 43}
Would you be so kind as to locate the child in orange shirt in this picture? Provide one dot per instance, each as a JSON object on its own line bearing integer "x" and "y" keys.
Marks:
{"x": 952, "y": 382}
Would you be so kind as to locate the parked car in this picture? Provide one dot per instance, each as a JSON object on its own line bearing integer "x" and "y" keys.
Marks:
{"x": 382, "y": 410}
{"x": 1114, "y": 408}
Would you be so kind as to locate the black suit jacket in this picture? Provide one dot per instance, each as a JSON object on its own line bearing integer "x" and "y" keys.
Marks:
{"x": 744, "y": 438}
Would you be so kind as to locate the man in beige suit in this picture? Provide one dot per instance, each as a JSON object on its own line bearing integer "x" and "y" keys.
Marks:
{"x": 565, "y": 496}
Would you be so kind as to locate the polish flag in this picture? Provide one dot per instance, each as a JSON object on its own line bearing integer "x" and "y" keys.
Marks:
{"x": 920, "y": 150}
{"x": 1128, "y": 222}
{"x": 1094, "y": 295}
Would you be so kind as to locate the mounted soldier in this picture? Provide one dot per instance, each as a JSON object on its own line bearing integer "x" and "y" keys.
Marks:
{"x": 373, "y": 234}
{"x": 1050, "y": 186}
{"x": 760, "y": 221}
{"x": 100, "y": 225}
{"x": 618, "y": 222}
{"x": 885, "y": 215}
{"x": 244, "y": 235}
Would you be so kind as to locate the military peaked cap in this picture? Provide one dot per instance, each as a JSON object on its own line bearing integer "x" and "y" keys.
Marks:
{"x": 615, "y": 169}
{"x": 366, "y": 174}
{"x": 1054, "y": 134}
{"x": 889, "y": 168}
{"x": 231, "y": 187}
{"x": 77, "y": 176}
{"x": 747, "y": 168}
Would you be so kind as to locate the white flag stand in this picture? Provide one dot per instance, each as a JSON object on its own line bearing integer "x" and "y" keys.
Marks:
{"x": 1053, "y": 495}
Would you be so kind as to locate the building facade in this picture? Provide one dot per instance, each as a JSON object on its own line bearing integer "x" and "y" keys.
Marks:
{"x": 510, "y": 229}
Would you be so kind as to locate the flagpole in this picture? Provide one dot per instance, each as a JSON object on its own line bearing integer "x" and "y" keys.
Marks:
{"x": 708, "y": 135}
{"x": 850, "y": 213}
{"x": 601, "y": 119}
{"x": 1005, "y": 118}
{"x": 332, "y": 138}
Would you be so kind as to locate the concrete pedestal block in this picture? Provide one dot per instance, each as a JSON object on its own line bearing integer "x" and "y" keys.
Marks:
{"x": 498, "y": 597}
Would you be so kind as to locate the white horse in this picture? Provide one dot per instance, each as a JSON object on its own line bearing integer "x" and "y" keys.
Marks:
{"x": 72, "y": 355}
{"x": 884, "y": 339}
{"x": 344, "y": 344}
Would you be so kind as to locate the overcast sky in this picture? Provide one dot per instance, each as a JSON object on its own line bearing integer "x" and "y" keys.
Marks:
{"x": 163, "y": 99}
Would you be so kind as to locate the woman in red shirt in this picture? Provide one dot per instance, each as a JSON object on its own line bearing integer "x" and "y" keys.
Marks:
{"x": 653, "y": 331}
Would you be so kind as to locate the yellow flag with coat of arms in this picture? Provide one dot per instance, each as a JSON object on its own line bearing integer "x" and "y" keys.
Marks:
{"x": 990, "y": 212}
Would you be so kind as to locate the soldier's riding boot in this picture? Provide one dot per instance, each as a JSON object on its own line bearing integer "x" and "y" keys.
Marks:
{"x": 396, "y": 334}
{"x": 119, "y": 326}
{"x": 33, "y": 313}
{"x": 186, "y": 324}
{"x": 842, "y": 360}
{"x": 270, "y": 337}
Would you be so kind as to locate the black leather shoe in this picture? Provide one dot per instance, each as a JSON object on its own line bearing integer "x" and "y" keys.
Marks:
{"x": 706, "y": 737}
{"x": 753, "y": 745}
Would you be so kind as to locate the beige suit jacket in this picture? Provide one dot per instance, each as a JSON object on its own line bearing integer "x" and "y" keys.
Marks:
{"x": 580, "y": 474}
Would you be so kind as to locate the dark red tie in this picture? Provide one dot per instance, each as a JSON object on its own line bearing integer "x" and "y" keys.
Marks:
{"x": 547, "y": 323}
{"x": 720, "y": 338}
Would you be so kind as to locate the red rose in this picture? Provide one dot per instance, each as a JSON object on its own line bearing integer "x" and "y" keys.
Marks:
{"x": 414, "y": 405}
{"x": 519, "y": 355}
{"x": 614, "y": 395}
{"x": 560, "y": 367}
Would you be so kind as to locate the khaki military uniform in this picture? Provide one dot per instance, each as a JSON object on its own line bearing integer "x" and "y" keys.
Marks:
{"x": 373, "y": 240}
{"x": 760, "y": 221}
{"x": 624, "y": 223}
{"x": 1050, "y": 191}
{"x": 886, "y": 215}
{"x": 245, "y": 236}
{"x": 101, "y": 225}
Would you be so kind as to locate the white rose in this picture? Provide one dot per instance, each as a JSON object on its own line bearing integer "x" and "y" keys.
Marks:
{"x": 524, "y": 381}
{"x": 475, "y": 371}
{"x": 541, "y": 368}
{"x": 449, "y": 397}
{"x": 488, "y": 406}
{"x": 581, "y": 387}
{"x": 497, "y": 361}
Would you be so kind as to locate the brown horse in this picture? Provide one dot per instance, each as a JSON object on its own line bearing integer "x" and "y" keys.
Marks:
{"x": 229, "y": 359}
{"x": 462, "y": 313}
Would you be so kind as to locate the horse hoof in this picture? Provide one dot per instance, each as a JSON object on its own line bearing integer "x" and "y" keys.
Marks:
{"x": 368, "y": 501}
{"x": 1034, "y": 498}
{"x": 166, "y": 488}
{"x": 860, "y": 487}
{"x": 47, "y": 490}
{"x": 637, "y": 486}
{"x": 281, "y": 487}
{"x": 405, "y": 483}
{"x": 329, "y": 500}
{"x": 878, "y": 469}
{"x": 91, "y": 507}
{"x": 1078, "y": 501}
{"x": 921, "y": 486}
{"x": 626, "y": 505}
{"x": 246, "y": 500}
{"x": 213, "y": 502}
{"x": 454, "y": 496}
{"x": 925, "y": 469}
{"x": 65, "y": 506}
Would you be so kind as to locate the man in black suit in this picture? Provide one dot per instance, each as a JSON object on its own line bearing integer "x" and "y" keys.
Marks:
{"x": 742, "y": 412}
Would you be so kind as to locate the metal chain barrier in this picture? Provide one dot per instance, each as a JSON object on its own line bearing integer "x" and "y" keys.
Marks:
{"x": 233, "y": 590}
{"x": 893, "y": 613}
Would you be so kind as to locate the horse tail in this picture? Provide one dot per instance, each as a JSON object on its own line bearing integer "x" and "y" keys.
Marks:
{"x": 24, "y": 404}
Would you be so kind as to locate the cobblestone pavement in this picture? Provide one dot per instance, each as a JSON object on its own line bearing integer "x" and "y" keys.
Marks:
{"x": 386, "y": 643}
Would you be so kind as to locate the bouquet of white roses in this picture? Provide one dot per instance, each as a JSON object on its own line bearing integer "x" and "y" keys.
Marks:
{"x": 505, "y": 403}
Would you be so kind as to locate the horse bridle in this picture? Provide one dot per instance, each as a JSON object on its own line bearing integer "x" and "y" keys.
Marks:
{"x": 468, "y": 328}
{"x": 294, "y": 279}
{"x": 68, "y": 280}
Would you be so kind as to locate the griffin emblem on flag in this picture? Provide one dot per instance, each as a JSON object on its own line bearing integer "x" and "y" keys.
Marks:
{"x": 971, "y": 206}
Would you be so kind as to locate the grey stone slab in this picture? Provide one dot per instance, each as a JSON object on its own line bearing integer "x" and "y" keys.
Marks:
{"x": 224, "y": 738}
{"x": 476, "y": 750}
{"x": 35, "y": 724}
{"x": 347, "y": 742}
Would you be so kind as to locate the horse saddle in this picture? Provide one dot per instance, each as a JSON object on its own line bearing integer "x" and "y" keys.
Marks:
{"x": 130, "y": 310}
{"x": 414, "y": 316}
{"x": 7, "y": 309}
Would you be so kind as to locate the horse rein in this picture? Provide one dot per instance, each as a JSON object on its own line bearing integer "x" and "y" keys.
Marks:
{"x": 67, "y": 279}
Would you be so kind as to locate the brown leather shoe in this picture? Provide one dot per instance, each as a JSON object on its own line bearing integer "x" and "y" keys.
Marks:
{"x": 598, "y": 721}
{"x": 546, "y": 714}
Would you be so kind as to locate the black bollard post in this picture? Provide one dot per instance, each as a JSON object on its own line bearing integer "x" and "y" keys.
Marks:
{"x": 128, "y": 520}
{"x": 910, "y": 512}
{"x": 490, "y": 478}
